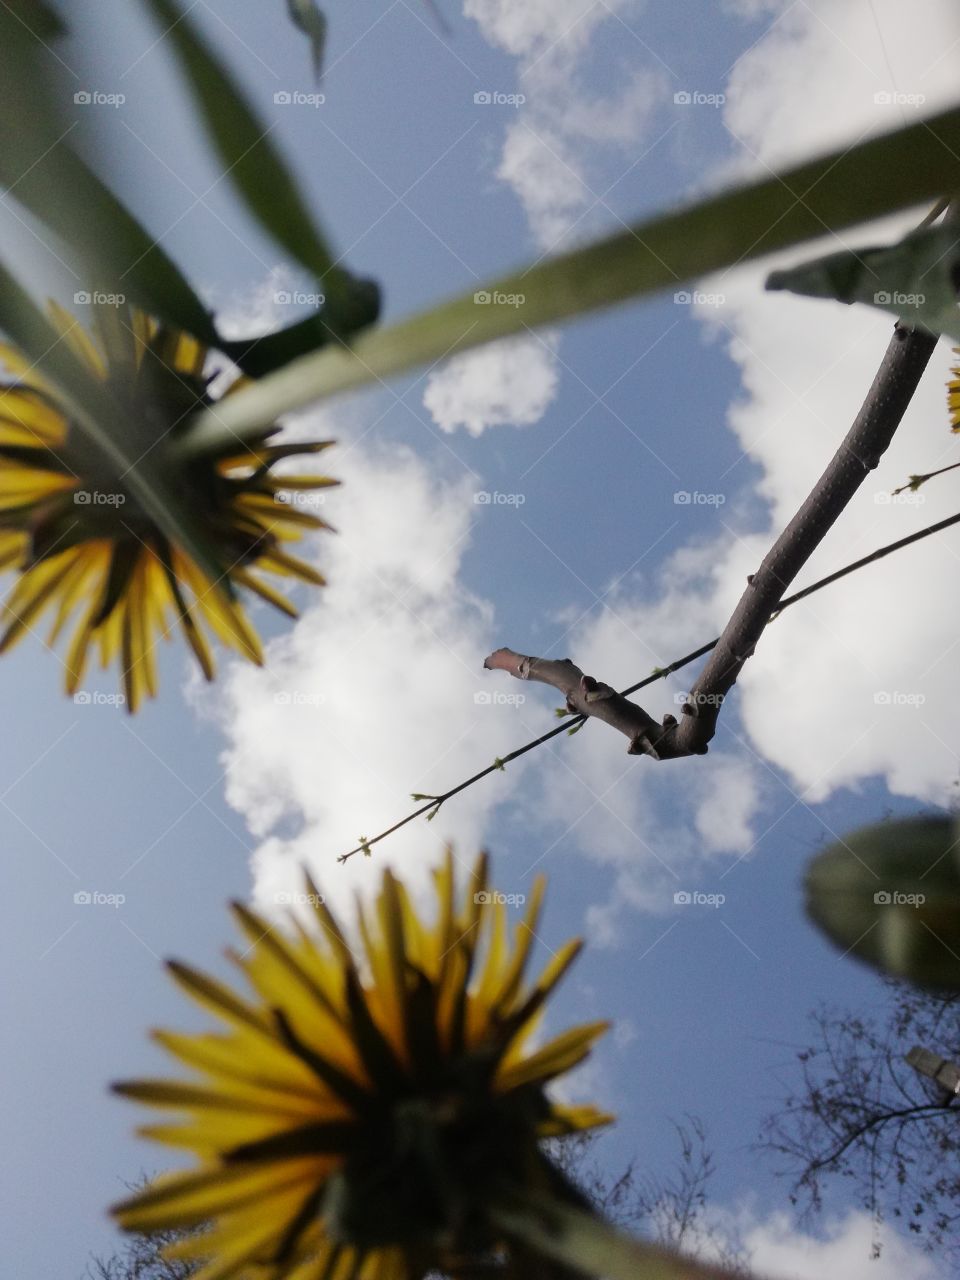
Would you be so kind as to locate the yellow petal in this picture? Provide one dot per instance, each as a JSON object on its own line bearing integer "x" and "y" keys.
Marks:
{"x": 77, "y": 339}
{"x": 560, "y": 1055}
{"x": 27, "y": 418}
{"x": 182, "y": 1199}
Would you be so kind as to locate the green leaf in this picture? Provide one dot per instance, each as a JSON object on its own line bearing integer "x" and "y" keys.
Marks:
{"x": 918, "y": 162}
{"x": 890, "y": 895}
{"x": 40, "y": 19}
{"x": 109, "y": 248}
{"x": 916, "y": 279}
{"x": 95, "y": 414}
{"x": 306, "y": 15}
{"x": 259, "y": 356}
{"x": 591, "y": 1246}
{"x": 253, "y": 165}
{"x": 116, "y": 253}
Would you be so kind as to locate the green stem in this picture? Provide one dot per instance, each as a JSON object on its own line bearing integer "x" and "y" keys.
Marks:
{"x": 593, "y": 1246}
{"x": 871, "y": 179}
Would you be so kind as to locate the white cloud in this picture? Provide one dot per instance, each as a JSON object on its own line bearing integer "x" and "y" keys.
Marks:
{"x": 833, "y": 694}
{"x": 537, "y": 25}
{"x": 370, "y": 695}
{"x": 844, "y": 1249}
{"x": 810, "y": 84}
{"x": 546, "y": 176}
{"x": 396, "y": 635}
{"x": 570, "y": 142}
{"x": 504, "y": 383}
{"x": 813, "y": 696}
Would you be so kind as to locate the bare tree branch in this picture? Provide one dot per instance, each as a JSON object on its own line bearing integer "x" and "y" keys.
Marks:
{"x": 860, "y": 1113}
{"x": 433, "y": 803}
{"x": 906, "y": 357}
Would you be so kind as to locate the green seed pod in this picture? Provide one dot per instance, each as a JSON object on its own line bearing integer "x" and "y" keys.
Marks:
{"x": 890, "y": 894}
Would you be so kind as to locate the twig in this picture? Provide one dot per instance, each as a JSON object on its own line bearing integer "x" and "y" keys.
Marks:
{"x": 660, "y": 674}
{"x": 914, "y": 482}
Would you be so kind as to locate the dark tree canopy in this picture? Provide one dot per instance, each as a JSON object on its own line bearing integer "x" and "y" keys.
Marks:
{"x": 862, "y": 1114}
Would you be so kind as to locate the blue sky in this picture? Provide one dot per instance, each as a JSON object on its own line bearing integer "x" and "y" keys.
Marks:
{"x": 592, "y": 431}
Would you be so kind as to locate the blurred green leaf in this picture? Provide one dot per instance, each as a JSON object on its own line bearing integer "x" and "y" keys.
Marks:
{"x": 307, "y": 15}
{"x": 256, "y": 169}
{"x": 916, "y": 279}
{"x": 96, "y": 415}
{"x": 890, "y": 894}
{"x": 917, "y": 162}
{"x": 260, "y": 356}
{"x": 116, "y": 254}
{"x": 39, "y": 18}
{"x": 593, "y": 1247}
{"x": 39, "y": 169}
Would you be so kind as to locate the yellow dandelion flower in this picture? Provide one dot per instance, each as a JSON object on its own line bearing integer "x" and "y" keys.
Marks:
{"x": 953, "y": 394}
{"x": 79, "y": 541}
{"x": 363, "y": 1112}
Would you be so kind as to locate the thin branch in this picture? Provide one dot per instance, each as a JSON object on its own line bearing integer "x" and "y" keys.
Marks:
{"x": 923, "y": 1111}
{"x": 914, "y": 482}
{"x": 906, "y": 357}
{"x": 577, "y": 720}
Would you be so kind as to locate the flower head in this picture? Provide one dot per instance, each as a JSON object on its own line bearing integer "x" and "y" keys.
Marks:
{"x": 953, "y": 394}
{"x": 79, "y": 540}
{"x": 363, "y": 1113}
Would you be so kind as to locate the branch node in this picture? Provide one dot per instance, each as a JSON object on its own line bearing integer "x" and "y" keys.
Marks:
{"x": 642, "y": 746}
{"x": 593, "y": 690}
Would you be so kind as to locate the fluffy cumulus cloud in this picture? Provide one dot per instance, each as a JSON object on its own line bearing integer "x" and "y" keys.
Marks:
{"x": 371, "y": 694}
{"x": 845, "y": 1248}
{"x": 526, "y": 30}
{"x": 859, "y": 681}
{"x": 852, "y": 1246}
{"x": 570, "y": 140}
{"x": 504, "y": 383}
{"x": 624, "y": 813}
{"x": 829, "y": 72}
